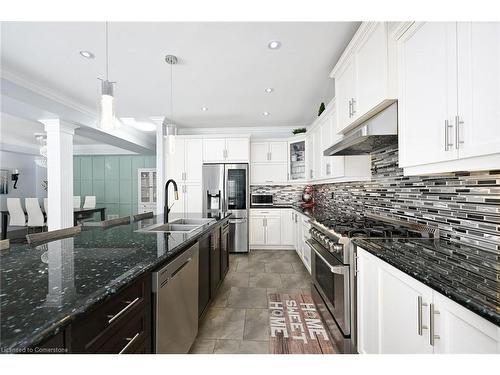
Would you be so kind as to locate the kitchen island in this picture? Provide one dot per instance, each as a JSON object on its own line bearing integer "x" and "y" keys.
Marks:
{"x": 45, "y": 288}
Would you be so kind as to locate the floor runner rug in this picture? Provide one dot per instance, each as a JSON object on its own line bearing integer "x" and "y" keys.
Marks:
{"x": 296, "y": 326}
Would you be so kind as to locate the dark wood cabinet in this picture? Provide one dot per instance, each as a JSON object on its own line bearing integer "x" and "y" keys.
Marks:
{"x": 53, "y": 344}
{"x": 204, "y": 274}
{"x": 118, "y": 325}
{"x": 215, "y": 261}
{"x": 123, "y": 322}
{"x": 224, "y": 247}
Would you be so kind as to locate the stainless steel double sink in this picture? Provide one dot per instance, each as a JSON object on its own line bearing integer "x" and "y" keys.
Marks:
{"x": 178, "y": 226}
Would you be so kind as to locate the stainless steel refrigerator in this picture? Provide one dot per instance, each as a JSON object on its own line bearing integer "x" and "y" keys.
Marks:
{"x": 226, "y": 189}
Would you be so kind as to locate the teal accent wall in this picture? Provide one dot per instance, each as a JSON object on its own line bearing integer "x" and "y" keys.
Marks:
{"x": 111, "y": 178}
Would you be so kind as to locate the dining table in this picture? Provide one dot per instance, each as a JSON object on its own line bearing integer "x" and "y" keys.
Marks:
{"x": 78, "y": 213}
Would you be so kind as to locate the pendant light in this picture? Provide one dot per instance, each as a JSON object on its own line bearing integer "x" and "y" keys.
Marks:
{"x": 169, "y": 128}
{"x": 107, "y": 116}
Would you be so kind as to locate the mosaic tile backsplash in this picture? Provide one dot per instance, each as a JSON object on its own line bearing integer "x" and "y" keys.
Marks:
{"x": 464, "y": 205}
{"x": 283, "y": 194}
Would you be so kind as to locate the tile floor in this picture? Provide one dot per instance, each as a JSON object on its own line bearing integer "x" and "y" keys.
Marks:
{"x": 238, "y": 320}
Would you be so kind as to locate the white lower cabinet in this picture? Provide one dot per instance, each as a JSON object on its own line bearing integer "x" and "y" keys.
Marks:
{"x": 287, "y": 227}
{"x": 265, "y": 228}
{"x": 394, "y": 315}
{"x": 273, "y": 229}
{"x": 462, "y": 331}
{"x": 257, "y": 230}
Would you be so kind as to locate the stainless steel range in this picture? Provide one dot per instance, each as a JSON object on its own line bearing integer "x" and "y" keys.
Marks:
{"x": 333, "y": 266}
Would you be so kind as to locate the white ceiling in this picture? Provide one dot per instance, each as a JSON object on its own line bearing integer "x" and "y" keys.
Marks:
{"x": 223, "y": 66}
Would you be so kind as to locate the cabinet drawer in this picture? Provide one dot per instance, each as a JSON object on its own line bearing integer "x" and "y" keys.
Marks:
{"x": 129, "y": 337}
{"x": 96, "y": 327}
{"x": 269, "y": 212}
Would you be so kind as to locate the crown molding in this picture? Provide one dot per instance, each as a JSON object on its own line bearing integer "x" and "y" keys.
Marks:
{"x": 44, "y": 91}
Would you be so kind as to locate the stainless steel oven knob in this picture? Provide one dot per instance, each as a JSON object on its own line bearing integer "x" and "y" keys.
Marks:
{"x": 338, "y": 248}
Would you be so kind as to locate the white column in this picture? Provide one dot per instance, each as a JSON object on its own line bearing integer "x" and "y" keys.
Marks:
{"x": 59, "y": 173}
{"x": 160, "y": 169}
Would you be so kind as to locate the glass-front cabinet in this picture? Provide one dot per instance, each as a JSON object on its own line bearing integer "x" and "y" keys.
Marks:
{"x": 146, "y": 190}
{"x": 297, "y": 160}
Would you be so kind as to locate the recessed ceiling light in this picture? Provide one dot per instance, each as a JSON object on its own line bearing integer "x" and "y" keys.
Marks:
{"x": 204, "y": 109}
{"x": 266, "y": 113}
{"x": 269, "y": 90}
{"x": 87, "y": 54}
{"x": 274, "y": 44}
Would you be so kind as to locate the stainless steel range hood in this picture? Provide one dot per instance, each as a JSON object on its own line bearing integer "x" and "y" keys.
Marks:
{"x": 377, "y": 132}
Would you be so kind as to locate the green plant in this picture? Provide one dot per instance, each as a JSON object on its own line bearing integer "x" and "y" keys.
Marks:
{"x": 299, "y": 130}
{"x": 321, "y": 109}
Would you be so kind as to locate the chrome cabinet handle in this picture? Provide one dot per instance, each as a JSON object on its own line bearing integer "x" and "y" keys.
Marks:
{"x": 112, "y": 318}
{"x": 131, "y": 341}
{"x": 328, "y": 169}
{"x": 447, "y": 143}
{"x": 350, "y": 109}
{"x": 458, "y": 122}
{"x": 432, "y": 337}
{"x": 353, "y": 102}
{"x": 420, "y": 327}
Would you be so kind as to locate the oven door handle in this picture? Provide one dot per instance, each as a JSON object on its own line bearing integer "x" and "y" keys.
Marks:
{"x": 340, "y": 270}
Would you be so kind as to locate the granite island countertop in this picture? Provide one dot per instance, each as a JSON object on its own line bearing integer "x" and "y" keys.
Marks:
{"x": 468, "y": 275}
{"x": 45, "y": 287}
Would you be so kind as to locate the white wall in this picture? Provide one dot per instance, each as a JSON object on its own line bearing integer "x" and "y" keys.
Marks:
{"x": 30, "y": 176}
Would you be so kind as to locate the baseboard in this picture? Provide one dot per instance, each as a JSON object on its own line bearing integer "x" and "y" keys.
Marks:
{"x": 272, "y": 247}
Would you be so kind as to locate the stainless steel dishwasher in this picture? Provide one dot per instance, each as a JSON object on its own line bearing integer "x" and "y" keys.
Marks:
{"x": 175, "y": 289}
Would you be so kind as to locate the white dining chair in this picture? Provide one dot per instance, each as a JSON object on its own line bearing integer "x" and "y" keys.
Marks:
{"x": 77, "y": 201}
{"x": 45, "y": 205}
{"x": 90, "y": 201}
{"x": 17, "y": 217}
{"x": 35, "y": 214}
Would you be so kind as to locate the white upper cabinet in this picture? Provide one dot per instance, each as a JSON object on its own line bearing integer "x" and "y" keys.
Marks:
{"x": 185, "y": 165}
{"x": 214, "y": 150}
{"x": 193, "y": 160}
{"x": 278, "y": 152}
{"x": 225, "y": 150}
{"x": 345, "y": 93}
{"x": 310, "y": 150}
{"x": 478, "y": 88}
{"x": 259, "y": 152}
{"x": 319, "y": 167}
{"x": 326, "y": 141}
{"x": 174, "y": 164}
{"x": 371, "y": 69}
{"x": 364, "y": 76}
{"x": 427, "y": 92}
{"x": 449, "y": 95}
{"x": 268, "y": 173}
{"x": 317, "y": 153}
{"x": 268, "y": 162}
{"x": 237, "y": 150}
{"x": 268, "y": 152}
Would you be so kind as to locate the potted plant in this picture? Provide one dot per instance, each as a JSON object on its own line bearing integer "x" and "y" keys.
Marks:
{"x": 298, "y": 131}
